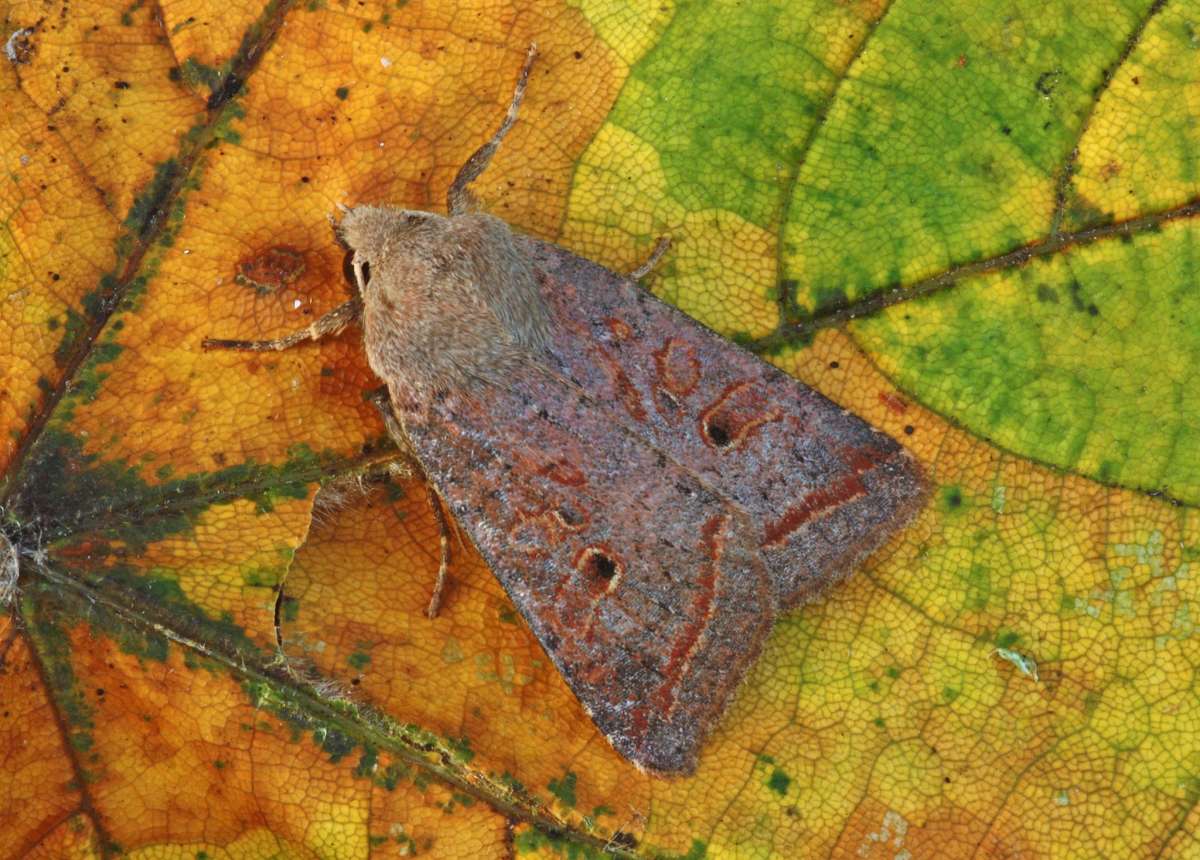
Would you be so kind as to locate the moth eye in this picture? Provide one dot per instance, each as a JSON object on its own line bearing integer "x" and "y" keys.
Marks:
{"x": 348, "y": 270}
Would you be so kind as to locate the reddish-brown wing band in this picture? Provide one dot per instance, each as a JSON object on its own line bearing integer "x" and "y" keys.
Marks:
{"x": 651, "y": 502}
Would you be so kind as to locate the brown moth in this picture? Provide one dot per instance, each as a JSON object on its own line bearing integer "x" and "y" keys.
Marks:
{"x": 650, "y": 495}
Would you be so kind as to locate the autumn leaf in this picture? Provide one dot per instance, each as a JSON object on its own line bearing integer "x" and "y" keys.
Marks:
{"x": 969, "y": 223}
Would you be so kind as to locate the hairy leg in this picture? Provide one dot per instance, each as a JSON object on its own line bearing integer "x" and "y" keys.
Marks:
{"x": 331, "y": 323}
{"x": 384, "y": 405}
{"x": 660, "y": 248}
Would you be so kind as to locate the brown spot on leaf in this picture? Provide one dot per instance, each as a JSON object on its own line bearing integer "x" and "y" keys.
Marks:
{"x": 271, "y": 270}
{"x": 20, "y": 46}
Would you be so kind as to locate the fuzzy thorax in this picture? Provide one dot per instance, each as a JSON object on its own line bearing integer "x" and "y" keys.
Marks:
{"x": 448, "y": 302}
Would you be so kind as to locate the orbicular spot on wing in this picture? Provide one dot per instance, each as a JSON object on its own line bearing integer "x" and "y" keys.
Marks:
{"x": 626, "y": 392}
{"x": 677, "y": 372}
{"x": 620, "y": 329}
{"x": 563, "y": 472}
{"x": 733, "y": 417}
{"x": 594, "y": 574}
{"x": 541, "y": 528}
{"x": 600, "y": 568}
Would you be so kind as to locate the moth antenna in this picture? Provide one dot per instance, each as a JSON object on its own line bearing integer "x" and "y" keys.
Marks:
{"x": 458, "y": 198}
{"x": 660, "y": 248}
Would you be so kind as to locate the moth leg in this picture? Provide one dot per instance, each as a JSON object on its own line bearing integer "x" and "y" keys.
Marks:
{"x": 331, "y": 323}
{"x": 458, "y": 198}
{"x": 384, "y": 405}
{"x": 439, "y": 585}
{"x": 660, "y": 248}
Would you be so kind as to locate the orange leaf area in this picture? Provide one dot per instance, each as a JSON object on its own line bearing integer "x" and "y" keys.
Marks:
{"x": 358, "y": 593}
{"x": 217, "y": 644}
{"x": 217, "y": 773}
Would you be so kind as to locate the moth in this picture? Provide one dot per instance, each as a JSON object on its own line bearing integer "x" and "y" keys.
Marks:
{"x": 650, "y": 495}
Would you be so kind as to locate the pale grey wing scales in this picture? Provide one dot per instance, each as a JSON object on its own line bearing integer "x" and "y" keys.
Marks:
{"x": 645, "y": 587}
{"x": 821, "y": 486}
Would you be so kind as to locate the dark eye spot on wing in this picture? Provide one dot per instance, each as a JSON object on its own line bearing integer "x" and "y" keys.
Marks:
{"x": 739, "y": 413}
{"x": 717, "y": 434}
{"x": 600, "y": 567}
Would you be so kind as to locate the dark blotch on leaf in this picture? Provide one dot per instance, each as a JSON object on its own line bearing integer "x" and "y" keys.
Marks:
{"x": 230, "y": 86}
{"x": 1047, "y": 82}
{"x": 1046, "y": 294}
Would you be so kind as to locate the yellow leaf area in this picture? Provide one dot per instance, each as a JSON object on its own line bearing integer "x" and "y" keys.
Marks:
{"x": 218, "y": 645}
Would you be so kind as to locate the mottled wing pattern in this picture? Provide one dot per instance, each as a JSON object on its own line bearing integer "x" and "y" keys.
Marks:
{"x": 821, "y": 487}
{"x": 645, "y": 586}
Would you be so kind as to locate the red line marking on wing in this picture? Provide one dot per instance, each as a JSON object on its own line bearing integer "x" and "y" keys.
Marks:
{"x": 726, "y": 424}
{"x": 678, "y": 367}
{"x": 844, "y": 489}
{"x": 546, "y": 521}
{"x": 563, "y": 472}
{"x": 687, "y": 641}
{"x": 815, "y": 503}
{"x": 627, "y": 392}
{"x": 619, "y": 328}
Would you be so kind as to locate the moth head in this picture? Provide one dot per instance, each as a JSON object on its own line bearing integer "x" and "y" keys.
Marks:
{"x": 373, "y": 232}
